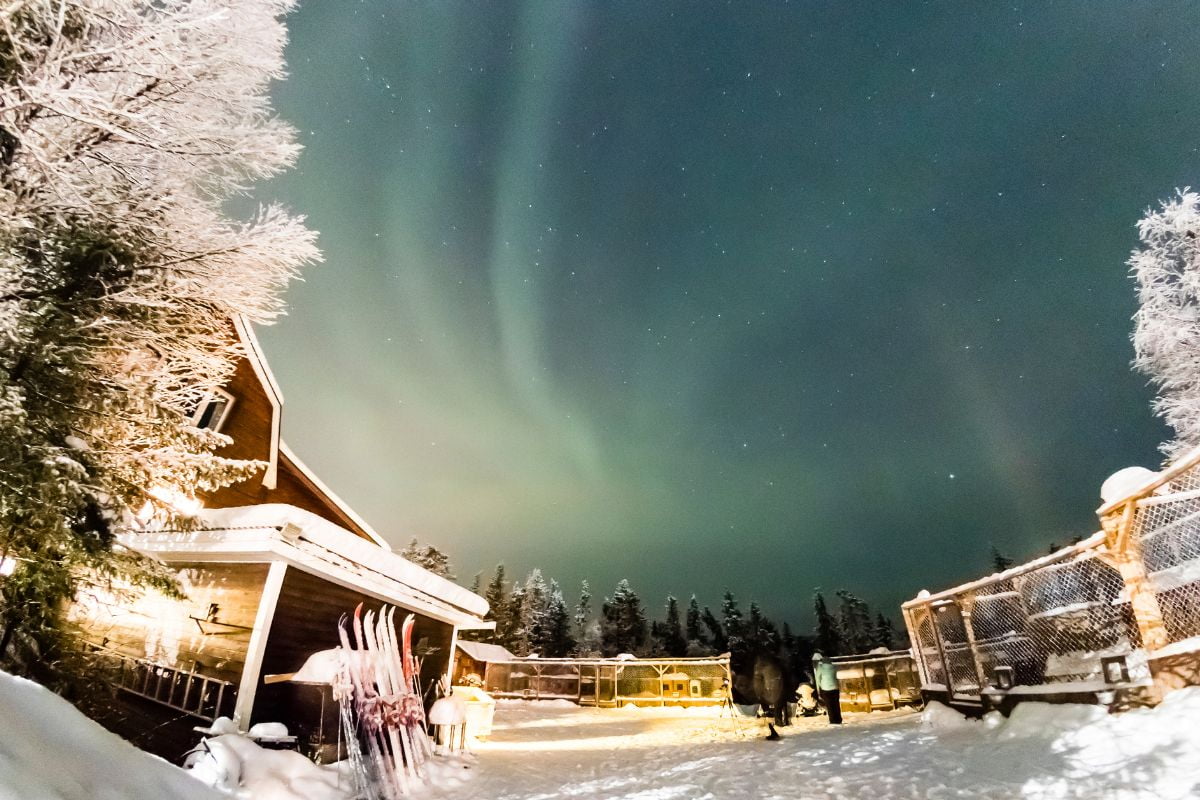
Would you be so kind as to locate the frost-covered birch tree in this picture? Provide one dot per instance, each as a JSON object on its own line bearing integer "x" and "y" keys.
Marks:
{"x": 125, "y": 125}
{"x": 1166, "y": 335}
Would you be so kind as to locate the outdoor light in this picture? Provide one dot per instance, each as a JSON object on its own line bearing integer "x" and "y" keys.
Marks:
{"x": 291, "y": 532}
{"x": 1003, "y": 677}
{"x": 1114, "y": 669}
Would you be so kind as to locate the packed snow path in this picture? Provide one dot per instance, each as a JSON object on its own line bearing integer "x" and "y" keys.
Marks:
{"x": 553, "y": 751}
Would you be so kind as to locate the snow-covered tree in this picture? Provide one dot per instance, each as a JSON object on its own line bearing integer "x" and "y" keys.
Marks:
{"x": 125, "y": 125}
{"x": 1166, "y": 335}
{"x": 515, "y": 634}
{"x": 552, "y": 632}
{"x": 623, "y": 627}
{"x": 884, "y": 633}
{"x": 693, "y": 630}
{"x": 854, "y": 622}
{"x": 716, "y": 633}
{"x": 428, "y": 557}
{"x": 731, "y": 622}
{"x": 583, "y": 612}
{"x": 497, "y": 598}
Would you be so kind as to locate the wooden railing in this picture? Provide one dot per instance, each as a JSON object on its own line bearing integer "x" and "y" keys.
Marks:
{"x": 189, "y": 692}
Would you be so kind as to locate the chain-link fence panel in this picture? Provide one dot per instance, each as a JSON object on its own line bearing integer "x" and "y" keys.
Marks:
{"x": 1166, "y": 530}
{"x": 1052, "y": 623}
{"x": 612, "y": 681}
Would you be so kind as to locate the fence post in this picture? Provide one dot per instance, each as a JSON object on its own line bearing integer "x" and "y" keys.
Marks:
{"x": 1127, "y": 551}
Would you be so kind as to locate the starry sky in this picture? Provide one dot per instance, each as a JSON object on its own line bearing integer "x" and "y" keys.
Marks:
{"x": 758, "y": 296}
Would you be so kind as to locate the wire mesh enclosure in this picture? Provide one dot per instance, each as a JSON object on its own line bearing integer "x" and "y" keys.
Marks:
{"x": 1097, "y": 617}
{"x": 877, "y": 681}
{"x": 612, "y": 682}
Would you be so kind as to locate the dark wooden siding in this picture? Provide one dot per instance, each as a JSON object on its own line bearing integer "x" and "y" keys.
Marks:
{"x": 306, "y": 621}
{"x": 150, "y": 625}
{"x": 249, "y": 424}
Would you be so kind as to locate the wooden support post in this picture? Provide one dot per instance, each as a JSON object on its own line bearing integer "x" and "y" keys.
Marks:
{"x": 937, "y": 639}
{"x": 1126, "y": 549}
{"x": 257, "y": 646}
{"x": 451, "y": 661}
{"x": 966, "y": 606}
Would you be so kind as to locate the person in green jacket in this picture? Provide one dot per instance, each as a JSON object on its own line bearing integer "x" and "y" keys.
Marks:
{"x": 825, "y": 676}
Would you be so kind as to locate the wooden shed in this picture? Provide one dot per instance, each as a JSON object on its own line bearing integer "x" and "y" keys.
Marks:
{"x": 269, "y": 568}
{"x": 472, "y": 658}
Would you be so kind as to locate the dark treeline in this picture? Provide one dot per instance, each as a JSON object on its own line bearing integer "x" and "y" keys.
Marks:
{"x": 532, "y": 616}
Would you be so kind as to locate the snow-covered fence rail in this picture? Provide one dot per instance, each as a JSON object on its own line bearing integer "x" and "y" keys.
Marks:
{"x": 610, "y": 681}
{"x": 1116, "y": 616}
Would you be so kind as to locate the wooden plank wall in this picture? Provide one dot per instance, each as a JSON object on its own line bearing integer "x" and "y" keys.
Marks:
{"x": 249, "y": 424}
{"x": 305, "y": 622}
{"x": 151, "y": 625}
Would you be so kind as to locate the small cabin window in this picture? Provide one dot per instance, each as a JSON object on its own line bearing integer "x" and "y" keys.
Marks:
{"x": 212, "y": 411}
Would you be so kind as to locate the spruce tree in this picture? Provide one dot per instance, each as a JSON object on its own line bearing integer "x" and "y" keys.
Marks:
{"x": 553, "y": 638}
{"x": 674, "y": 642}
{"x": 760, "y": 633}
{"x": 583, "y": 610}
{"x": 516, "y": 635}
{"x": 428, "y": 557}
{"x": 497, "y": 599}
{"x": 855, "y": 623}
{"x": 716, "y": 633}
{"x": 623, "y": 627}
{"x": 828, "y": 638}
{"x": 1000, "y": 562}
{"x": 731, "y": 622}
{"x": 694, "y": 632}
{"x": 884, "y": 634}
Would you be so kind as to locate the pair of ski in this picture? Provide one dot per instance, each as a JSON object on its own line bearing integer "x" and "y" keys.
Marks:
{"x": 387, "y": 708}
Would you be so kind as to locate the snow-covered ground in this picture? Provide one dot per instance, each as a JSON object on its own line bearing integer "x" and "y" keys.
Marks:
{"x": 555, "y": 751}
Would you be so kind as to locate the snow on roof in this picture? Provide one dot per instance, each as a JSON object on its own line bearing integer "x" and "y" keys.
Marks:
{"x": 487, "y": 653}
{"x": 342, "y": 505}
{"x": 318, "y": 545}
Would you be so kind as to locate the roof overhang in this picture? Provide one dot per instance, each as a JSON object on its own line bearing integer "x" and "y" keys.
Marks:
{"x": 278, "y": 532}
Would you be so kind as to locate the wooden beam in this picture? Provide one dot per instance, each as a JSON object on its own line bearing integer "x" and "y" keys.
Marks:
{"x": 453, "y": 657}
{"x": 258, "y": 644}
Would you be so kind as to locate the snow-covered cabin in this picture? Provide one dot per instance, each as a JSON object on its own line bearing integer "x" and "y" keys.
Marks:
{"x": 269, "y": 569}
{"x": 472, "y": 658}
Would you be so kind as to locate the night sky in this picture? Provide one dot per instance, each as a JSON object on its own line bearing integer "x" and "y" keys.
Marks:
{"x": 763, "y": 296}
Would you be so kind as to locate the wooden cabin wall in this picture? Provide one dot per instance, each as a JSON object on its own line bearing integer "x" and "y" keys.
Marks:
{"x": 464, "y": 665}
{"x": 152, "y": 626}
{"x": 305, "y": 622}
{"x": 248, "y": 423}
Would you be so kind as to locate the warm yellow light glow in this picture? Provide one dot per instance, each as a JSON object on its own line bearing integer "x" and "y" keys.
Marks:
{"x": 184, "y": 504}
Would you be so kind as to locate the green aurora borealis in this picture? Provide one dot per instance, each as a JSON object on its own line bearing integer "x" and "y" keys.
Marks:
{"x": 764, "y": 296}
